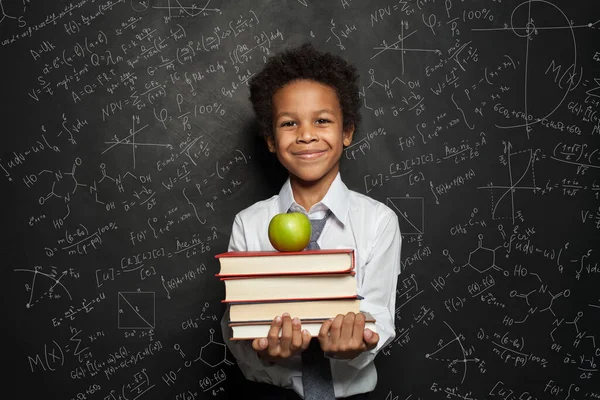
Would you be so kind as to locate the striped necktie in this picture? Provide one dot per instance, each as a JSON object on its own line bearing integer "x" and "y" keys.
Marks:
{"x": 317, "y": 226}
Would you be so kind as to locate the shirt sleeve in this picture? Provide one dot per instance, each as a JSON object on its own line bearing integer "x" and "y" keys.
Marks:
{"x": 253, "y": 367}
{"x": 379, "y": 285}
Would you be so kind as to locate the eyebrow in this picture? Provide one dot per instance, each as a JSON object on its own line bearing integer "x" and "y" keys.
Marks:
{"x": 291, "y": 114}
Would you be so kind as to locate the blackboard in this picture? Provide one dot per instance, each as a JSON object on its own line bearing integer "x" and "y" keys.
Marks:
{"x": 129, "y": 144}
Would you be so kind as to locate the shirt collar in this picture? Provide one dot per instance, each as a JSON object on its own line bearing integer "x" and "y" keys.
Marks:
{"x": 337, "y": 198}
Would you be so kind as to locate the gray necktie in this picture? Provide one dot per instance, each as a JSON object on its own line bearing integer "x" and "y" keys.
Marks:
{"x": 317, "y": 226}
{"x": 316, "y": 370}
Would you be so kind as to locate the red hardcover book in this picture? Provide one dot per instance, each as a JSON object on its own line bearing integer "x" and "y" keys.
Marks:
{"x": 255, "y": 263}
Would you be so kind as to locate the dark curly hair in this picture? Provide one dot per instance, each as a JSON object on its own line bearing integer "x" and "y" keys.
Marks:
{"x": 305, "y": 62}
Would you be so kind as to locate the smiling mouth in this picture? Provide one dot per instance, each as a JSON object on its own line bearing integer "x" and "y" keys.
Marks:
{"x": 309, "y": 155}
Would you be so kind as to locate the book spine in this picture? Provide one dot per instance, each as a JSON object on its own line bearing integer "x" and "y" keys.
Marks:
{"x": 281, "y": 253}
{"x": 355, "y": 297}
{"x": 223, "y": 277}
{"x": 291, "y": 299}
{"x": 269, "y": 321}
{"x": 255, "y": 276}
{"x": 369, "y": 320}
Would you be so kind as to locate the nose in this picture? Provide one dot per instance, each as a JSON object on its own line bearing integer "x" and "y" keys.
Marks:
{"x": 306, "y": 134}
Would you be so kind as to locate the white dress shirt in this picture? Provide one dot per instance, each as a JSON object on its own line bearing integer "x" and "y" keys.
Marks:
{"x": 358, "y": 222}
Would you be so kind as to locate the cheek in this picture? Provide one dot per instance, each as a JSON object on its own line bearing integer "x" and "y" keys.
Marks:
{"x": 285, "y": 141}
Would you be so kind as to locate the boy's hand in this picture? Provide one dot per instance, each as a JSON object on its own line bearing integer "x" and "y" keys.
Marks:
{"x": 292, "y": 341}
{"x": 346, "y": 336}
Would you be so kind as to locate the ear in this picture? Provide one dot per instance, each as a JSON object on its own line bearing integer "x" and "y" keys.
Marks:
{"x": 347, "y": 136}
{"x": 270, "y": 143}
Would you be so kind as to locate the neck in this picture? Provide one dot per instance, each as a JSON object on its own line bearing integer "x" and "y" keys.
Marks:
{"x": 307, "y": 194}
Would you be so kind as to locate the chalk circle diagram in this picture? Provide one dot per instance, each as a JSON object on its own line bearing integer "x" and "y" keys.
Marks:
{"x": 43, "y": 286}
{"x": 454, "y": 355}
{"x": 139, "y": 5}
{"x": 547, "y": 32}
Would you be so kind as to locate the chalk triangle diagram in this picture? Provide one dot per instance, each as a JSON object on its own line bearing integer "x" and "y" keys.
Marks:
{"x": 136, "y": 310}
{"x": 410, "y": 212}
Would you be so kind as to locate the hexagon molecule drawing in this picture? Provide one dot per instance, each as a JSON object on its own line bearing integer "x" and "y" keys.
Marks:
{"x": 214, "y": 353}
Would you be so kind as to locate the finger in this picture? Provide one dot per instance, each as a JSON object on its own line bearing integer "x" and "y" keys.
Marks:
{"x": 335, "y": 330}
{"x": 306, "y": 338}
{"x": 347, "y": 327}
{"x": 296, "y": 335}
{"x": 259, "y": 344}
{"x": 358, "y": 332}
{"x": 286, "y": 333}
{"x": 273, "y": 336}
{"x": 371, "y": 339}
{"x": 324, "y": 335}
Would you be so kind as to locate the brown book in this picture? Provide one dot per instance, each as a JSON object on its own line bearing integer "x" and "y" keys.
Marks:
{"x": 254, "y": 263}
{"x": 312, "y": 309}
{"x": 254, "y": 329}
{"x": 290, "y": 287}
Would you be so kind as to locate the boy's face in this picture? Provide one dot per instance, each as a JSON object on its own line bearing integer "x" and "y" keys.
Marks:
{"x": 308, "y": 130}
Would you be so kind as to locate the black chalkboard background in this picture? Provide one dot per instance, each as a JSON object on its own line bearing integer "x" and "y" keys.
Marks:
{"x": 129, "y": 144}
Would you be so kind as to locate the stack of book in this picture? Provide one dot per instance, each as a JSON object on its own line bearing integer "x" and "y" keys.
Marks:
{"x": 313, "y": 285}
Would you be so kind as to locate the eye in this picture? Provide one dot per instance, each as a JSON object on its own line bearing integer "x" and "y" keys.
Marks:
{"x": 287, "y": 123}
{"x": 323, "y": 121}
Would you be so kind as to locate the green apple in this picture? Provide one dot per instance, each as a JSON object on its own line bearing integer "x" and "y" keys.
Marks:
{"x": 289, "y": 231}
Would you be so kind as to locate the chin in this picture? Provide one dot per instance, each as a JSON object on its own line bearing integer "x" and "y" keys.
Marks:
{"x": 310, "y": 177}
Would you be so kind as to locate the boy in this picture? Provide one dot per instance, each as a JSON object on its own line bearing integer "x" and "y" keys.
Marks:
{"x": 308, "y": 108}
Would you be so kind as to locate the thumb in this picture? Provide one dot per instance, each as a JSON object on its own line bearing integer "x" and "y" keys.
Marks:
{"x": 371, "y": 338}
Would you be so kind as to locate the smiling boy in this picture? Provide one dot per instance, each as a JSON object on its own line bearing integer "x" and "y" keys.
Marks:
{"x": 308, "y": 108}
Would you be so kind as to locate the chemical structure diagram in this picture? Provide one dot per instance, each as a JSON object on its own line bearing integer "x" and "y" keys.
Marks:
{"x": 212, "y": 353}
{"x": 7, "y": 7}
{"x": 65, "y": 184}
{"x": 538, "y": 300}
{"x": 409, "y": 102}
{"x": 577, "y": 344}
{"x": 58, "y": 176}
{"x": 578, "y": 337}
{"x": 482, "y": 259}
